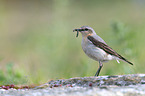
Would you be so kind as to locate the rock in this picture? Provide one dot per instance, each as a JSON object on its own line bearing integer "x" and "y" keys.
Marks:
{"x": 121, "y": 85}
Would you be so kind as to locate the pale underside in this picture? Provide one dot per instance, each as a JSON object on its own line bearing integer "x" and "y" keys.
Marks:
{"x": 96, "y": 53}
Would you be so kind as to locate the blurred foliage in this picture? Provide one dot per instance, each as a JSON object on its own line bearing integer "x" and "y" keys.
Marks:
{"x": 12, "y": 76}
{"x": 37, "y": 37}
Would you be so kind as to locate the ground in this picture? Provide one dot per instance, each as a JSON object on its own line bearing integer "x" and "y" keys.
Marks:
{"x": 118, "y": 85}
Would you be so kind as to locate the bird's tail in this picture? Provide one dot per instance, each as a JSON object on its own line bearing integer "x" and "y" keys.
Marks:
{"x": 122, "y": 58}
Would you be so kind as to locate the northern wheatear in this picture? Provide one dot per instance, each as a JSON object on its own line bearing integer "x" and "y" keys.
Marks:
{"x": 96, "y": 48}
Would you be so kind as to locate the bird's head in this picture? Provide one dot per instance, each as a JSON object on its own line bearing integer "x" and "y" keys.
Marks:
{"x": 85, "y": 31}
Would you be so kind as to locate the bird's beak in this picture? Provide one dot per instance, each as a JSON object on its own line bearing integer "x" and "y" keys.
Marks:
{"x": 78, "y": 30}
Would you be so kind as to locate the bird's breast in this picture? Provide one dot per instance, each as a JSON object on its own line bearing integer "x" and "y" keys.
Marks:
{"x": 94, "y": 52}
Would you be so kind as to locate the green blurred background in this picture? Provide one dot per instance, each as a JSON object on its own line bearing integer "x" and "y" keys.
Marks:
{"x": 37, "y": 43}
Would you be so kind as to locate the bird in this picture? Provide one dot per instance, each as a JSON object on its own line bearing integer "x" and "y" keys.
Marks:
{"x": 96, "y": 48}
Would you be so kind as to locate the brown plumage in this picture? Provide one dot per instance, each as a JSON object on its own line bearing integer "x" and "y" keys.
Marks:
{"x": 107, "y": 49}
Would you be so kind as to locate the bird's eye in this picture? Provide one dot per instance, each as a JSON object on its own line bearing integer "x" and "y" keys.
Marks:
{"x": 86, "y": 29}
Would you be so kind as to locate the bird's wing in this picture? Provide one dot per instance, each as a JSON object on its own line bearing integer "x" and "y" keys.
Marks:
{"x": 106, "y": 48}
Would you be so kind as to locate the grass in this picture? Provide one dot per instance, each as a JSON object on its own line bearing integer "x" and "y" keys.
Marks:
{"x": 12, "y": 76}
{"x": 38, "y": 39}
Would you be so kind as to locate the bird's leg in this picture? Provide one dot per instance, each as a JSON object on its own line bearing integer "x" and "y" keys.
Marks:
{"x": 98, "y": 71}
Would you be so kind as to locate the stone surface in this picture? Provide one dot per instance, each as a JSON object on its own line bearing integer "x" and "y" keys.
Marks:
{"x": 121, "y": 85}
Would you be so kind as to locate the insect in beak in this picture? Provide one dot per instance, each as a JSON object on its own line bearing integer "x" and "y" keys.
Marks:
{"x": 77, "y": 34}
{"x": 77, "y": 31}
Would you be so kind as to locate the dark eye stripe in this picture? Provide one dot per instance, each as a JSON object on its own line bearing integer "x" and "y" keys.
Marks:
{"x": 86, "y": 29}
